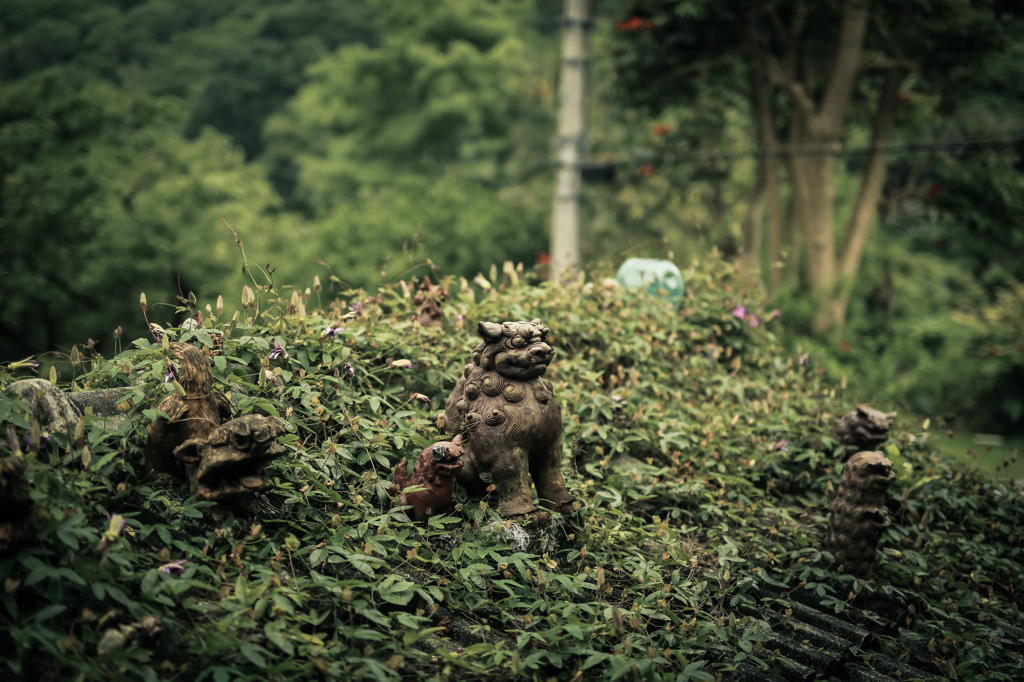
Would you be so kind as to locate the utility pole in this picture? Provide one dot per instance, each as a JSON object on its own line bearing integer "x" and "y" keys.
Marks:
{"x": 565, "y": 216}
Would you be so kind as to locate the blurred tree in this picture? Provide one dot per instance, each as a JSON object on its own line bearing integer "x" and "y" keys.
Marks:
{"x": 812, "y": 69}
{"x": 233, "y": 61}
{"x": 100, "y": 199}
{"x": 407, "y": 142}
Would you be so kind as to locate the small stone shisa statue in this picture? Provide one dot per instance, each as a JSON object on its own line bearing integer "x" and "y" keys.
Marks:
{"x": 859, "y": 515}
{"x": 864, "y": 428}
{"x": 435, "y": 470}
{"x": 222, "y": 463}
{"x": 510, "y": 423}
{"x": 428, "y": 302}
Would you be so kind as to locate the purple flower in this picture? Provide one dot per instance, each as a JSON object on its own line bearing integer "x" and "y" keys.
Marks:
{"x": 803, "y": 359}
{"x": 175, "y": 567}
{"x": 349, "y": 370}
{"x": 333, "y": 330}
{"x": 781, "y": 445}
{"x": 357, "y": 306}
{"x": 739, "y": 311}
{"x": 773, "y": 314}
{"x": 278, "y": 352}
{"x": 754, "y": 321}
{"x": 460, "y": 317}
{"x": 272, "y": 378}
{"x": 169, "y": 377}
{"x": 157, "y": 331}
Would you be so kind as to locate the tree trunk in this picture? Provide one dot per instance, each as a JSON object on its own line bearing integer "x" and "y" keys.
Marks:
{"x": 820, "y": 129}
{"x": 707, "y": 137}
{"x": 813, "y": 167}
{"x": 870, "y": 193}
{"x": 773, "y": 201}
{"x": 750, "y": 258}
{"x": 766, "y": 189}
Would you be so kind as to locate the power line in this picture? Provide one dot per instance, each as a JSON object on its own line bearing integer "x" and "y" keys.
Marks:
{"x": 1004, "y": 145}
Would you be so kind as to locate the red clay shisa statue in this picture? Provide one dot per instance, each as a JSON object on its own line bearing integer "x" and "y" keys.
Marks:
{"x": 510, "y": 423}
{"x": 435, "y": 470}
{"x": 859, "y": 515}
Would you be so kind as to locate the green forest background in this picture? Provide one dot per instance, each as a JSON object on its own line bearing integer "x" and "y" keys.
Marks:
{"x": 377, "y": 140}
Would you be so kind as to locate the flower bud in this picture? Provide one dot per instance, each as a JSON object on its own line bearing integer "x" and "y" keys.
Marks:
{"x": 79, "y": 433}
{"x": 142, "y": 302}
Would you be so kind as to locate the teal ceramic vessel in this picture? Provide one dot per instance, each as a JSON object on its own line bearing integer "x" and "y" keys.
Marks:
{"x": 660, "y": 277}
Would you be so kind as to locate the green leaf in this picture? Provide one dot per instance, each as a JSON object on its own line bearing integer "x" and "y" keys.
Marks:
{"x": 253, "y": 654}
{"x": 273, "y": 632}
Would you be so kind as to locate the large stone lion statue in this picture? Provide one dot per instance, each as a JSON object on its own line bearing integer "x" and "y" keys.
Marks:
{"x": 511, "y": 425}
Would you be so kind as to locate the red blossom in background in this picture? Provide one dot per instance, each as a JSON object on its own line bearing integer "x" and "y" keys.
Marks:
{"x": 634, "y": 24}
{"x": 543, "y": 259}
{"x": 661, "y": 129}
{"x": 933, "y": 190}
{"x": 646, "y": 170}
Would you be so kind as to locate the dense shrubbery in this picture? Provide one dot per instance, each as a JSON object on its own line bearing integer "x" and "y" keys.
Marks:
{"x": 925, "y": 336}
{"x": 697, "y": 444}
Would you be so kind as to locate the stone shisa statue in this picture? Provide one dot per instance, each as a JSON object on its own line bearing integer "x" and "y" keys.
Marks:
{"x": 510, "y": 424}
{"x": 222, "y": 460}
{"x": 859, "y": 515}
{"x": 864, "y": 428}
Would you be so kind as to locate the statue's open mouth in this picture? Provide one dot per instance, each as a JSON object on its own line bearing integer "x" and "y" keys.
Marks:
{"x": 227, "y": 468}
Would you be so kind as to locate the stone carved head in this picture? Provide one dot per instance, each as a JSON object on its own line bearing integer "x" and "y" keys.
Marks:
{"x": 516, "y": 350}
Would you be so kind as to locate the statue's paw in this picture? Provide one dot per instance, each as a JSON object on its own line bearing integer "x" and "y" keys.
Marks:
{"x": 569, "y": 506}
{"x": 533, "y": 518}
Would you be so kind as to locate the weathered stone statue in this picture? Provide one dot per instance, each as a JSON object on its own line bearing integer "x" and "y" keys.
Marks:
{"x": 192, "y": 416}
{"x": 435, "y": 469}
{"x": 864, "y": 428}
{"x": 221, "y": 463}
{"x": 59, "y": 411}
{"x": 226, "y": 467}
{"x": 859, "y": 515}
{"x": 510, "y": 423}
{"x": 428, "y": 302}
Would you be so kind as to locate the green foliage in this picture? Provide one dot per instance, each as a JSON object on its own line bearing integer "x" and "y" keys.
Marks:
{"x": 698, "y": 447}
{"x": 234, "y": 62}
{"x": 95, "y": 184}
{"x": 925, "y": 336}
{"x": 403, "y": 146}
